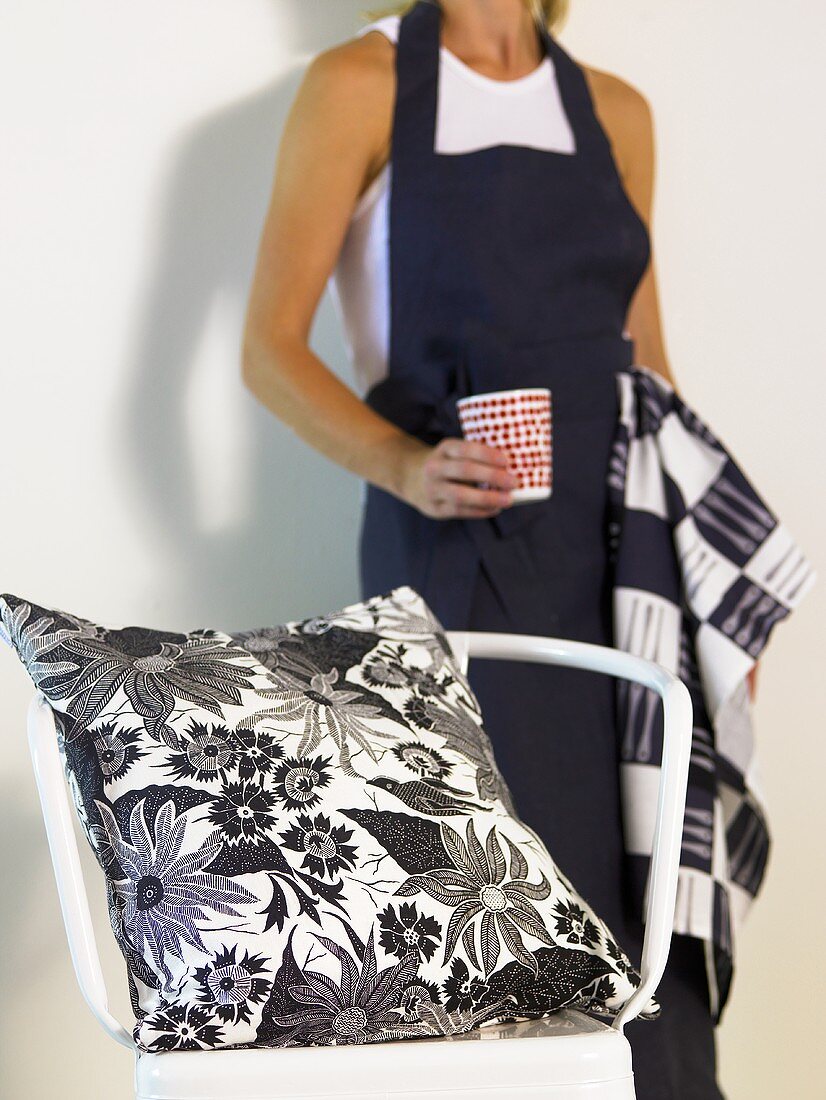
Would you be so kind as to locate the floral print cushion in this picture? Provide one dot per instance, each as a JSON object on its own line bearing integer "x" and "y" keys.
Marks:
{"x": 304, "y": 833}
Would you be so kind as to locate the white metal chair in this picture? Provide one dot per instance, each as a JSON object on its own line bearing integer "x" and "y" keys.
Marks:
{"x": 564, "y": 1055}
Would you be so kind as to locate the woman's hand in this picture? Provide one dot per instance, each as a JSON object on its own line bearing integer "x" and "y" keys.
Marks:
{"x": 751, "y": 679}
{"x": 443, "y": 481}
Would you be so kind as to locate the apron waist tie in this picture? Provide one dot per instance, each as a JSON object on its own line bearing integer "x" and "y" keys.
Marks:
{"x": 422, "y": 402}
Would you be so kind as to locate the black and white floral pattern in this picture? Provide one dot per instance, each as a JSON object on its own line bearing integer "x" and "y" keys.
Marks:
{"x": 305, "y": 836}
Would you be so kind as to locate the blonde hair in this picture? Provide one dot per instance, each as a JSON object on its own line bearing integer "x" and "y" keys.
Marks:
{"x": 552, "y": 12}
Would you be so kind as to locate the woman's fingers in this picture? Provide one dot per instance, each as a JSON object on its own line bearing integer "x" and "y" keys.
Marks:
{"x": 471, "y": 450}
{"x": 751, "y": 677}
{"x": 473, "y": 472}
{"x": 466, "y": 478}
{"x": 458, "y": 499}
{"x": 471, "y": 461}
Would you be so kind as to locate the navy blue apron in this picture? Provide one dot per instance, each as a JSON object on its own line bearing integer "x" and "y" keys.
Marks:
{"x": 509, "y": 267}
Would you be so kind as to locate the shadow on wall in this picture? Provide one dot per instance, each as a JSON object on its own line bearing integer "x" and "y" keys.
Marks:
{"x": 290, "y": 552}
{"x": 289, "y": 547}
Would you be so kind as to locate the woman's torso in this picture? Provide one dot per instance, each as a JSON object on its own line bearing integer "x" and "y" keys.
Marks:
{"x": 508, "y": 265}
{"x": 474, "y": 112}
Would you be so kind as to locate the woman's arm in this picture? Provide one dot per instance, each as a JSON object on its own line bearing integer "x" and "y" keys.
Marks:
{"x": 336, "y": 139}
{"x": 626, "y": 117}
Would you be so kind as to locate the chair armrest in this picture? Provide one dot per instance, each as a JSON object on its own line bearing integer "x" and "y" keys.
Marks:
{"x": 74, "y": 903}
{"x": 668, "y": 827}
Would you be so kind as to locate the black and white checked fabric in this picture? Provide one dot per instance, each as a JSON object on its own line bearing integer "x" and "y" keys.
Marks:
{"x": 703, "y": 573}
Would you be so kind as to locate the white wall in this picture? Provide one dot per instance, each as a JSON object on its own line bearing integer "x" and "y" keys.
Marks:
{"x": 141, "y": 483}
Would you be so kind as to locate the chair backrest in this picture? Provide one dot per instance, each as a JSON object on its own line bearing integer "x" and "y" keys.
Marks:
{"x": 662, "y": 883}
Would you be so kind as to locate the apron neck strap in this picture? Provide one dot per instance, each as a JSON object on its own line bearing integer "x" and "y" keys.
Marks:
{"x": 418, "y": 59}
{"x": 417, "y": 85}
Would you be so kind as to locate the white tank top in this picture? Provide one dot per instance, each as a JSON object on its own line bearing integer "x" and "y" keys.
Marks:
{"x": 473, "y": 112}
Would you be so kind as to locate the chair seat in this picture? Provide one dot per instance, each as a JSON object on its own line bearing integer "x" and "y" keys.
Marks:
{"x": 566, "y": 1055}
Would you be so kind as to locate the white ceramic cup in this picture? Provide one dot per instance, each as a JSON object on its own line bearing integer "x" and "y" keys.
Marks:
{"x": 518, "y": 422}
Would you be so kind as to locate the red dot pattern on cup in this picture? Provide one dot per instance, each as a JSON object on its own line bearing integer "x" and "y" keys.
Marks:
{"x": 519, "y": 424}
